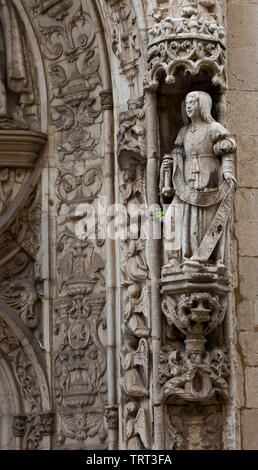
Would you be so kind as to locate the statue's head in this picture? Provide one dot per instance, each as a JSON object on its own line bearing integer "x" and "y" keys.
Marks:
{"x": 199, "y": 104}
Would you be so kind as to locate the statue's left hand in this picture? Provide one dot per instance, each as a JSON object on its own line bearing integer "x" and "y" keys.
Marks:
{"x": 229, "y": 176}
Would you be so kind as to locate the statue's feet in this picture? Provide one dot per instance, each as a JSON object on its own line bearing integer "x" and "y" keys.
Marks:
{"x": 221, "y": 268}
{"x": 193, "y": 265}
{"x": 173, "y": 263}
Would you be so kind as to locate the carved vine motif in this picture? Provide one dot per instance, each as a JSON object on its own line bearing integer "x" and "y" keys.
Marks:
{"x": 80, "y": 184}
{"x": 23, "y": 368}
{"x": 194, "y": 428}
{"x": 70, "y": 48}
{"x": 32, "y": 428}
{"x": 194, "y": 39}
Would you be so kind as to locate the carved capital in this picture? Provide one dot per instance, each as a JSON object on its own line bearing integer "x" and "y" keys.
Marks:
{"x": 106, "y": 99}
{"x": 111, "y": 415}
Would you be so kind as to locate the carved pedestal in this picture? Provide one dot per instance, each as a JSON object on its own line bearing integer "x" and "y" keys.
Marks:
{"x": 194, "y": 363}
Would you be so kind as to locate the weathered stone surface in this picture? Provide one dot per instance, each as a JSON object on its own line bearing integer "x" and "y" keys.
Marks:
{"x": 247, "y": 173}
{"x": 246, "y": 233}
{"x": 251, "y": 380}
{"x": 245, "y": 315}
{"x": 247, "y": 275}
{"x": 236, "y": 102}
{"x": 245, "y": 205}
{"x": 249, "y": 345}
{"x": 249, "y": 431}
{"x": 243, "y": 68}
{"x": 242, "y": 24}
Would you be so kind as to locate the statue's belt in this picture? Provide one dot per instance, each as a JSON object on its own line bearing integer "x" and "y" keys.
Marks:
{"x": 196, "y": 155}
{"x": 194, "y": 196}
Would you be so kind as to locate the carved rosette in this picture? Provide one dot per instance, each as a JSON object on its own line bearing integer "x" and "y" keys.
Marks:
{"x": 192, "y": 41}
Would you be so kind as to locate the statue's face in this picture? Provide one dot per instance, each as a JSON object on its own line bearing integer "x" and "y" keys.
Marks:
{"x": 192, "y": 106}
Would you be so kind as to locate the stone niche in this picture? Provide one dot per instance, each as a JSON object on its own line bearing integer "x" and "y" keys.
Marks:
{"x": 186, "y": 67}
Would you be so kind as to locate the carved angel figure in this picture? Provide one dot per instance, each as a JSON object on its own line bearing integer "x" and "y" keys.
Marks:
{"x": 203, "y": 186}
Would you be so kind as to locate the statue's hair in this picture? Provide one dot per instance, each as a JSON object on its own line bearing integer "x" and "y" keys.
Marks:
{"x": 205, "y": 104}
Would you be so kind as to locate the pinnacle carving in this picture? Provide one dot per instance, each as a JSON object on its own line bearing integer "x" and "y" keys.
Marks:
{"x": 192, "y": 39}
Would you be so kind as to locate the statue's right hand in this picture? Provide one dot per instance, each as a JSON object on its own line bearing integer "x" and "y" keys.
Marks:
{"x": 167, "y": 162}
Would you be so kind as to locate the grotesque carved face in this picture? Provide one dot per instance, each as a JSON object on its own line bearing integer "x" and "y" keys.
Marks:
{"x": 192, "y": 106}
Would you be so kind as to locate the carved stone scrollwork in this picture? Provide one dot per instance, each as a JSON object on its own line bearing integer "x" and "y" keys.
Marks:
{"x": 193, "y": 40}
{"x": 32, "y": 428}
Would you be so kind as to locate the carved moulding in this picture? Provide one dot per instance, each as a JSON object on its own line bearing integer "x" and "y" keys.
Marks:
{"x": 194, "y": 368}
{"x": 193, "y": 41}
{"x": 20, "y": 166}
{"x": 25, "y": 370}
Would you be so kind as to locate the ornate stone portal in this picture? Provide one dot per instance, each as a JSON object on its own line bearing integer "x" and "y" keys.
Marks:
{"x": 114, "y": 318}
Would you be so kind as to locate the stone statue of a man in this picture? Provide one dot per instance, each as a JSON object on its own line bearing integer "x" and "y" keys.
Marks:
{"x": 203, "y": 186}
{"x": 12, "y": 66}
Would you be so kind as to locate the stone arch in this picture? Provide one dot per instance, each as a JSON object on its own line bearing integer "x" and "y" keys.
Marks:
{"x": 24, "y": 387}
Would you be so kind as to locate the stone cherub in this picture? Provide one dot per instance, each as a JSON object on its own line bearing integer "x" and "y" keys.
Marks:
{"x": 199, "y": 175}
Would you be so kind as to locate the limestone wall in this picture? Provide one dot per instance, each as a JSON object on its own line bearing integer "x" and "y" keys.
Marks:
{"x": 242, "y": 114}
